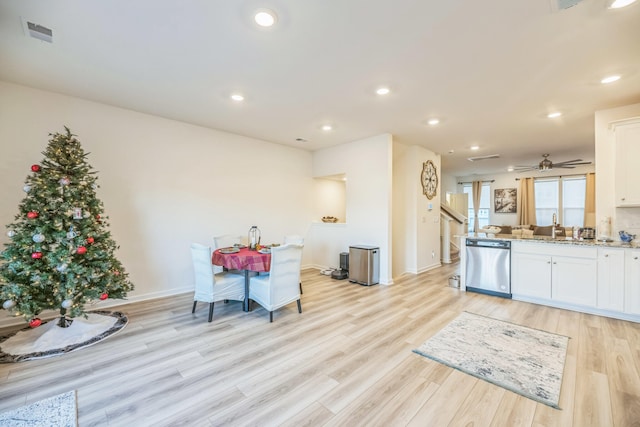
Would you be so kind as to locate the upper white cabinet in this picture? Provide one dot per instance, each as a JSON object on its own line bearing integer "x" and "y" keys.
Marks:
{"x": 627, "y": 153}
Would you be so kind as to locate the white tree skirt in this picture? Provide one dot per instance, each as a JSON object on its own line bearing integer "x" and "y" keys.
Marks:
{"x": 49, "y": 339}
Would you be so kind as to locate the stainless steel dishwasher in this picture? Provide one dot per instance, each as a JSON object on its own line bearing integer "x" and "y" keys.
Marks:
{"x": 488, "y": 267}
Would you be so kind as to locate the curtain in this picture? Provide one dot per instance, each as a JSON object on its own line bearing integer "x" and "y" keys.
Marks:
{"x": 476, "y": 187}
{"x": 526, "y": 202}
{"x": 590, "y": 201}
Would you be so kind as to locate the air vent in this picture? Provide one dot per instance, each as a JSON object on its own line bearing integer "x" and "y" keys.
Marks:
{"x": 490, "y": 156}
{"x": 557, "y": 5}
{"x": 37, "y": 31}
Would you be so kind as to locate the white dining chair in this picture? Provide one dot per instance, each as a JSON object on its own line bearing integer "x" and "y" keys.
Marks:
{"x": 281, "y": 285}
{"x": 211, "y": 287}
{"x": 225, "y": 241}
{"x": 298, "y": 240}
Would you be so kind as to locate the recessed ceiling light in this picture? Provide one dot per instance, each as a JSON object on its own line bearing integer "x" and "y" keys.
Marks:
{"x": 475, "y": 147}
{"x": 554, "y": 115}
{"x": 301, "y": 140}
{"x": 237, "y": 97}
{"x": 610, "y": 79}
{"x": 327, "y": 128}
{"x": 451, "y": 151}
{"x": 383, "y": 90}
{"x": 510, "y": 169}
{"x": 617, "y": 4}
{"x": 433, "y": 122}
{"x": 265, "y": 17}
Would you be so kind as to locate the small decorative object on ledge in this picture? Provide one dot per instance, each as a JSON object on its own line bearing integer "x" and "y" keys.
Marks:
{"x": 329, "y": 219}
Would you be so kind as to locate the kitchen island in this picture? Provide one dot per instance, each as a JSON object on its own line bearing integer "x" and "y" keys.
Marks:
{"x": 588, "y": 276}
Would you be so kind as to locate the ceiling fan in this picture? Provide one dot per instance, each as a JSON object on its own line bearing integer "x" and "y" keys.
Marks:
{"x": 546, "y": 165}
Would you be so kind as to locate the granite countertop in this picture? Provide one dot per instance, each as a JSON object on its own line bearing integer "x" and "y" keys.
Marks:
{"x": 548, "y": 239}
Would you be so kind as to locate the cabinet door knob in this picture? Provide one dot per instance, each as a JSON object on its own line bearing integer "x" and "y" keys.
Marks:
{"x": 554, "y": 262}
{"x": 623, "y": 199}
{"x": 606, "y": 255}
{"x": 635, "y": 257}
{"x": 548, "y": 262}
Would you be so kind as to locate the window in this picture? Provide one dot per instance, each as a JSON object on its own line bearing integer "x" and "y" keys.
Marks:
{"x": 485, "y": 205}
{"x": 563, "y": 196}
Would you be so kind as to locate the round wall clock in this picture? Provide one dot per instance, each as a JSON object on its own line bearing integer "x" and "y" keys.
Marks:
{"x": 429, "y": 179}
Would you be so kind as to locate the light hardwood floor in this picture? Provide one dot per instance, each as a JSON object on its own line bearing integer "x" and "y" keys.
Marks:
{"x": 345, "y": 361}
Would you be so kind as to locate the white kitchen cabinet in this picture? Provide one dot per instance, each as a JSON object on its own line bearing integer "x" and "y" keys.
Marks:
{"x": 573, "y": 280}
{"x": 632, "y": 281}
{"x": 565, "y": 274}
{"x": 531, "y": 275}
{"x": 611, "y": 279}
{"x": 627, "y": 153}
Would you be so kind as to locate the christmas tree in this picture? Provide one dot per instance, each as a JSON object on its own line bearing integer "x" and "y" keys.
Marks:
{"x": 60, "y": 255}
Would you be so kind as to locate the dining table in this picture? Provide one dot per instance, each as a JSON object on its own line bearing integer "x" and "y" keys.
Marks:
{"x": 243, "y": 258}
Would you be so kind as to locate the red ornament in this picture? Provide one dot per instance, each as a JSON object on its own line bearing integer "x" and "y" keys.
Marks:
{"x": 116, "y": 273}
{"x": 98, "y": 217}
{"x": 35, "y": 322}
{"x": 104, "y": 296}
{"x": 35, "y": 168}
{"x": 90, "y": 240}
{"x": 36, "y": 255}
{"x": 81, "y": 250}
{"x": 32, "y": 215}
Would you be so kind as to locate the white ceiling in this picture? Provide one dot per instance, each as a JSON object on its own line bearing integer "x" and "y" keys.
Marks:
{"x": 491, "y": 70}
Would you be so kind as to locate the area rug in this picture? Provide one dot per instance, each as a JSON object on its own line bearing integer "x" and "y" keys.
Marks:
{"x": 56, "y": 411}
{"x": 51, "y": 340}
{"x": 524, "y": 360}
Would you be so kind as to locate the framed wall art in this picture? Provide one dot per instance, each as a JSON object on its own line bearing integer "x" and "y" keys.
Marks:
{"x": 504, "y": 200}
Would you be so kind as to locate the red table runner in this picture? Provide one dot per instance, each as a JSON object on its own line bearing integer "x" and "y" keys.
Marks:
{"x": 243, "y": 260}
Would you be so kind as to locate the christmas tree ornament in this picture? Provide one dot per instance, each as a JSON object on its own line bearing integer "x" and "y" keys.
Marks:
{"x": 77, "y": 213}
{"x": 71, "y": 234}
{"x": 11, "y": 233}
{"x": 38, "y": 238}
{"x": 116, "y": 273}
{"x": 35, "y": 322}
{"x": 81, "y": 250}
{"x": 36, "y": 255}
{"x": 90, "y": 240}
{"x": 61, "y": 268}
{"x": 104, "y": 296}
{"x": 35, "y": 168}
{"x": 66, "y": 303}
{"x": 8, "y": 304}
{"x": 64, "y": 181}
{"x": 32, "y": 215}
{"x": 26, "y": 188}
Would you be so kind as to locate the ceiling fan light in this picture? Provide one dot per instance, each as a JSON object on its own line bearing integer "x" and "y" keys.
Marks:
{"x": 610, "y": 79}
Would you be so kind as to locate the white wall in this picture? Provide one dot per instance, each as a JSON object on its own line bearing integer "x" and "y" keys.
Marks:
{"x": 627, "y": 219}
{"x": 164, "y": 184}
{"x": 416, "y": 228}
{"x": 368, "y": 166}
{"x": 329, "y": 196}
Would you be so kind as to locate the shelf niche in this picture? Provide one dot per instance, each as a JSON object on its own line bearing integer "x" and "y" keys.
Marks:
{"x": 330, "y": 197}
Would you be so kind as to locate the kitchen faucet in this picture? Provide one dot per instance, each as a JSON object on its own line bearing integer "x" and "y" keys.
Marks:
{"x": 554, "y": 220}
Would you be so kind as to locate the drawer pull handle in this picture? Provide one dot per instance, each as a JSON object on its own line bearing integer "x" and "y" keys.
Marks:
{"x": 635, "y": 257}
{"x": 606, "y": 255}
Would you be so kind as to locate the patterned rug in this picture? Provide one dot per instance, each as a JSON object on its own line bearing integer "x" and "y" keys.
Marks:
{"x": 56, "y": 411}
{"x": 524, "y": 360}
{"x": 51, "y": 340}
